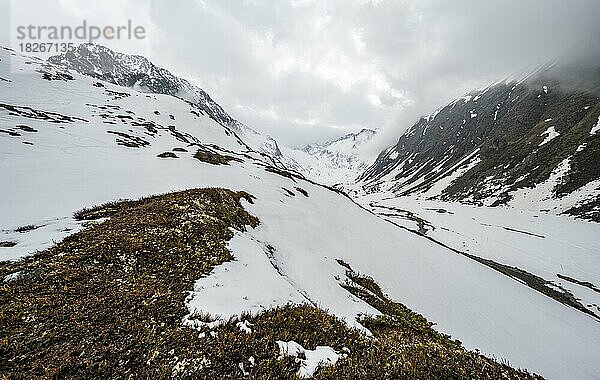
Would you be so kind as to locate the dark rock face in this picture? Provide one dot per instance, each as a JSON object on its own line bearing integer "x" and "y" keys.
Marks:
{"x": 514, "y": 134}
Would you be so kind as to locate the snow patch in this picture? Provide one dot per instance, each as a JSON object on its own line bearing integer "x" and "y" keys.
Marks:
{"x": 310, "y": 360}
{"x": 595, "y": 128}
{"x": 550, "y": 134}
{"x": 12, "y": 277}
{"x": 244, "y": 327}
{"x": 453, "y": 174}
{"x": 250, "y": 283}
{"x": 542, "y": 194}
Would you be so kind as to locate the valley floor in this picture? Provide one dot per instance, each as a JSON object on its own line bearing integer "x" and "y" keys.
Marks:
{"x": 557, "y": 255}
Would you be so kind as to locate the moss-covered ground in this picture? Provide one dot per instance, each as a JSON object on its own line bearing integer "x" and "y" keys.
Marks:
{"x": 108, "y": 302}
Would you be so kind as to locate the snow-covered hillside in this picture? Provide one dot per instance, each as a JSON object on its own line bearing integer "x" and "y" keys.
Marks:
{"x": 336, "y": 162}
{"x": 140, "y": 74}
{"x": 69, "y": 141}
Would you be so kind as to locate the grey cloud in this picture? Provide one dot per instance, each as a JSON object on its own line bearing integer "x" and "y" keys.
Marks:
{"x": 428, "y": 51}
{"x": 305, "y": 70}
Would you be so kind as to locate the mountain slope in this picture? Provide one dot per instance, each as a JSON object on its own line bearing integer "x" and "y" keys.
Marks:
{"x": 114, "y": 281}
{"x": 140, "y": 74}
{"x": 530, "y": 143}
{"x": 70, "y": 142}
{"x": 335, "y": 162}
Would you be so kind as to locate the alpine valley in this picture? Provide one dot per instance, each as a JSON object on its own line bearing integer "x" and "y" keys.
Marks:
{"x": 146, "y": 233}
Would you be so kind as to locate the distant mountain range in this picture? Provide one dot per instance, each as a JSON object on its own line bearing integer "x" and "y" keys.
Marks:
{"x": 336, "y": 162}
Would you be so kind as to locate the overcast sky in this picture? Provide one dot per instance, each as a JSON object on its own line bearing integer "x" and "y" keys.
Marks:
{"x": 305, "y": 71}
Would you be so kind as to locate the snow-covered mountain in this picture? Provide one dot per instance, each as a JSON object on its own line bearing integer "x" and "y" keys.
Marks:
{"x": 532, "y": 143}
{"x": 198, "y": 283}
{"x": 139, "y": 73}
{"x": 336, "y": 162}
